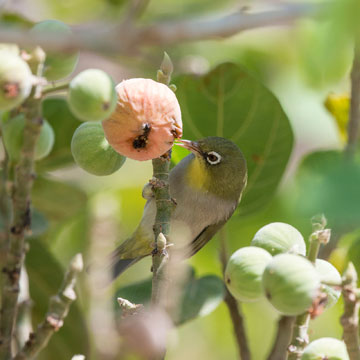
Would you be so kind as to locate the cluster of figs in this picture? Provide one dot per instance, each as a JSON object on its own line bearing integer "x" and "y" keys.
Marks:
{"x": 274, "y": 266}
{"x": 138, "y": 118}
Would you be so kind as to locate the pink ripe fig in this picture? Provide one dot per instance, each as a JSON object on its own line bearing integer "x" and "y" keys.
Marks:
{"x": 146, "y": 120}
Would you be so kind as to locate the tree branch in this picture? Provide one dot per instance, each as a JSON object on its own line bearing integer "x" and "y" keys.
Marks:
{"x": 5, "y": 207}
{"x": 20, "y": 224}
{"x": 59, "y": 306}
{"x": 224, "y": 26}
{"x": 350, "y": 319}
{"x": 162, "y": 224}
{"x": 232, "y": 304}
{"x": 283, "y": 337}
{"x": 354, "y": 114}
{"x": 126, "y": 37}
{"x": 164, "y": 204}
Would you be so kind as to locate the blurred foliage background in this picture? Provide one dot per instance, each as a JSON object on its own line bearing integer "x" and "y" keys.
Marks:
{"x": 276, "y": 82}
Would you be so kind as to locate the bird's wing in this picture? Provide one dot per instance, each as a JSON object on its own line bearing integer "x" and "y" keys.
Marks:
{"x": 206, "y": 234}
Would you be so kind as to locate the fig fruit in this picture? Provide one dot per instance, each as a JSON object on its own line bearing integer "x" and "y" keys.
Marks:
{"x": 278, "y": 237}
{"x": 92, "y": 95}
{"x": 325, "y": 349}
{"x": 92, "y": 152}
{"x": 291, "y": 283}
{"x": 329, "y": 274}
{"x": 12, "y": 48}
{"x": 146, "y": 120}
{"x": 58, "y": 65}
{"x": 13, "y": 131}
{"x": 244, "y": 272}
{"x": 15, "y": 80}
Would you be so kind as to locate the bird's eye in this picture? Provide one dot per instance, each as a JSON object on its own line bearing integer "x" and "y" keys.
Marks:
{"x": 213, "y": 158}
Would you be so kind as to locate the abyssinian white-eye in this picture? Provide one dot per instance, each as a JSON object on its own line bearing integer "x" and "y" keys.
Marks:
{"x": 207, "y": 186}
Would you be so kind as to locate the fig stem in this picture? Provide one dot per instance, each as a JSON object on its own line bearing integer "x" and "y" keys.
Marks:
{"x": 350, "y": 318}
{"x": 232, "y": 304}
{"x": 300, "y": 337}
{"x": 53, "y": 88}
{"x": 58, "y": 309}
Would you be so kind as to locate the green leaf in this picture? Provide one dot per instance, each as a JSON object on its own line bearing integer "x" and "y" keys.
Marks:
{"x": 56, "y": 111}
{"x": 45, "y": 277}
{"x": 53, "y": 198}
{"x": 137, "y": 293}
{"x": 10, "y": 19}
{"x": 200, "y": 296}
{"x": 177, "y": 154}
{"x": 325, "y": 53}
{"x": 39, "y": 223}
{"x": 231, "y": 103}
{"x": 326, "y": 184}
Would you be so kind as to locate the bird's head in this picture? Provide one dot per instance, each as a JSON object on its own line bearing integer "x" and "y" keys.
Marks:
{"x": 218, "y": 167}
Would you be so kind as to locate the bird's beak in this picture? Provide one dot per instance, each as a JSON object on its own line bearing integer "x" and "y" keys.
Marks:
{"x": 193, "y": 146}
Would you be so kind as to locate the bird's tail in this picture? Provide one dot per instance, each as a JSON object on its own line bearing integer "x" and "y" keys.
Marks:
{"x": 114, "y": 265}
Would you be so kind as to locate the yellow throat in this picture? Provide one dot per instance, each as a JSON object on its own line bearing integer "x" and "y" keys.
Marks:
{"x": 197, "y": 175}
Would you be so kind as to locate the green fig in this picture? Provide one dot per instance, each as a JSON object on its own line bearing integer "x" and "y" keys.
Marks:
{"x": 13, "y": 48}
{"x": 92, "y": 152}
{"x": 279, "y": 238}
{"x": 244, "y": 272}
{"x": 58, "y": 65}
{"x": 92, "y": 95}
{"x": 15, "y": 80}
{"x": 291, "y": 283}
{"x": 325, "y": 349}
{"x": 13, "y": 130}
{"x": 329, "y": 275}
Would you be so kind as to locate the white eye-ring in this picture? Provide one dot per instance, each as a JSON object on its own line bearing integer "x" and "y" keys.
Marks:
{"x": 213, "y": 158}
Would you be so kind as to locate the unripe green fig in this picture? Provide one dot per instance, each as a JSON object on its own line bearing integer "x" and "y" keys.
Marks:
{"x": 12, "y": 48}
{"x": 92, "y": 95}
{"x": 15, "y": 80}
{"x": 325, "y": 349}
{"x": 58, "y": 65}
{"x": 92, "y": 152}
{"x": 329, "y": 275}
{"x": 244, "y": 272}
{"x": 278, "y": 237}
{"x": 13, "y": 131}
{"x": 291, "y": 283}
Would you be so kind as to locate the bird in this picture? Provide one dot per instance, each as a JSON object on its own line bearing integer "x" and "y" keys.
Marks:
{"x": 206, "y": 185}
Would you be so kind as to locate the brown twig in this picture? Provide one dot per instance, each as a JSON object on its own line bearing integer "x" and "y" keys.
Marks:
{"x": 233, "y": 307}
{"x": 350, "y": 319}
{"x": 5, "y": 207}
{"x": 20, "y": 224}
{"x": 283, "y": 337}
{"x": 354, "y": 114}
{"x": 58, "y": 309}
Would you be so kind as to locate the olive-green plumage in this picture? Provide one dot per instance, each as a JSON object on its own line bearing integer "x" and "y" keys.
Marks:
{"x": 207, "y": 186}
